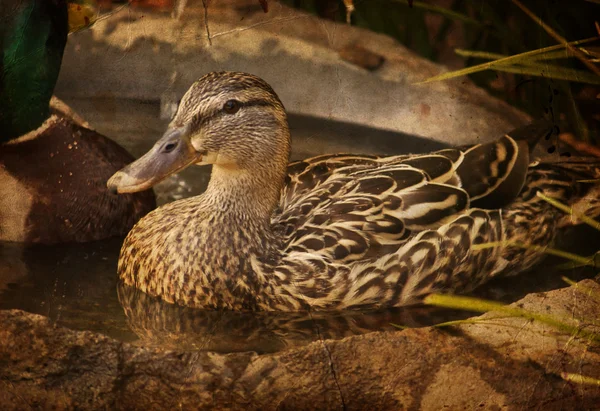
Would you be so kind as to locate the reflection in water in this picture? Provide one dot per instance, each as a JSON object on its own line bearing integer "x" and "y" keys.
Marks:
{"x": 76, "y": 286}
{"x": 170, "y": 326}
{"x": 12, "y": 266}
{"x": 73, "y": 285}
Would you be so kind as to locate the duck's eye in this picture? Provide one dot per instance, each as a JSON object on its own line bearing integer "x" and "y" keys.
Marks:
{"x": 170, "y": 147}
{"x": 231, "y": 106}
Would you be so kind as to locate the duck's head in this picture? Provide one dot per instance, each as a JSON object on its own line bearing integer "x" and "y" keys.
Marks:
{"x": 231, "y": 120}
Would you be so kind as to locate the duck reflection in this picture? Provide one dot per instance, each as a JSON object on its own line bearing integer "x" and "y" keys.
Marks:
{"x": 76, "y": 286}
{"x": 170, "y": 326}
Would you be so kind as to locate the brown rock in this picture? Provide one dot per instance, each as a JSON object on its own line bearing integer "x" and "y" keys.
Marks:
{"x": 145, "y": 56}
{"x": 504, "y": 363}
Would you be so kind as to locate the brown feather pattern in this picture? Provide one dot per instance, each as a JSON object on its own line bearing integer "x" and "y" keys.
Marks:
{"x": 349, "y": 231}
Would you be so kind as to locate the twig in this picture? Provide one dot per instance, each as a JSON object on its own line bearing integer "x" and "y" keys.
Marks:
{"x": 178, "y": 9}
{"x": 205, "y": 5}
{"x": 580, "y": 379}
{"x": 103, "y": 17}
{"x": 237, "y": 30}
{"x": 349, "y": 9}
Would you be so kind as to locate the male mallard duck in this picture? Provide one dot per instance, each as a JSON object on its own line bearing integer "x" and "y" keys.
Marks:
{"x": 53, "y": 170}
{"x": 331, "y": 232}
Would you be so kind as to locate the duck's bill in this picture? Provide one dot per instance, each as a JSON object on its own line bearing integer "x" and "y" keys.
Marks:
{"x": 172, "y": 153}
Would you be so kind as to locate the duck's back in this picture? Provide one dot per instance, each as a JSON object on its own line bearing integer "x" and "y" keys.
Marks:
{"x": 353, "y": 208}
{"x": 367, "y": 231}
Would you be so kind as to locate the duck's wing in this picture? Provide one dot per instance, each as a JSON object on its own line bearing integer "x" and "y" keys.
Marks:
{"x": 434, "y": 260}
{"x": 491, "y": 173}
{"x": 308, "y": 175}
{"x": 370, "y": 206}
{"x": 388, "y": 231}
{"x": 360, "y": 207}
{"x": 494, "y": 173}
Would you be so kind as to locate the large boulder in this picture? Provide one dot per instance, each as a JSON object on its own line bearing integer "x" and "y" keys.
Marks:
{"x": 149, "y": 56}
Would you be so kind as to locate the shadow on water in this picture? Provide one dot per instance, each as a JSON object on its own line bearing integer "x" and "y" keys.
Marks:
{"x": 76, "y": 285}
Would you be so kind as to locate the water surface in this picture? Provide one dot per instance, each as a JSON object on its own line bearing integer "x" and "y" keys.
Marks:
{"x": 76, "y": 285}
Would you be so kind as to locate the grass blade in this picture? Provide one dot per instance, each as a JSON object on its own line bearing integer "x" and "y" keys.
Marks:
{"x": 551, "y": 55}
{"x": 583, "y": 261}
{"x": 569, "y": 210}
{"x": 450, "y": 14}
{"x": 553, "y": 72}
{"x": 576, "y": 120}
{"x": 534, "y": 68}
{"x": 558, "y": 38}
{"x": 479, "y": 305}
{"x": 515, "y": 59}
{"x": 587, "y": 290}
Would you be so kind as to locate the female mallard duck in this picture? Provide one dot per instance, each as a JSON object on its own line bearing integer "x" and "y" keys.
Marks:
{"x": 53, "y": 169}
{"x": 332, "y": 232}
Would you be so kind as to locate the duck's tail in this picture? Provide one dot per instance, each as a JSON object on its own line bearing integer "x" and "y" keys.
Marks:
{"x": 533, "y": 220}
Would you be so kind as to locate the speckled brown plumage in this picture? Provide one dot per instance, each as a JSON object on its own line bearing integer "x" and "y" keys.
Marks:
{"x": 60, "y": 173}
{"x": 337, "y": 231}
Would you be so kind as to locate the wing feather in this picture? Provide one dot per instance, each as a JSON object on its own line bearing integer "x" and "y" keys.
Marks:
{"x": 353, "y": 208}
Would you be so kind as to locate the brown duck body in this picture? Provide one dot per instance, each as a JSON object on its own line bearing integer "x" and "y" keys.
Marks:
{"x": 344, "y": 241}
{"x": 53, "y": 186}
{"x": 333, "y": 232}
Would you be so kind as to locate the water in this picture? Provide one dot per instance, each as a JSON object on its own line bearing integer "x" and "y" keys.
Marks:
{"x": 76, "y": 285}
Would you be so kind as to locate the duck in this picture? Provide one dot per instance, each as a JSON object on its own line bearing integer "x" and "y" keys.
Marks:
{"x": 53, "y": 166}
{"x": 338, "y": 231}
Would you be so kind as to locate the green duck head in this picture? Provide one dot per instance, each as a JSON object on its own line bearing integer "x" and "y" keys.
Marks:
{"x": 33, "y": 35}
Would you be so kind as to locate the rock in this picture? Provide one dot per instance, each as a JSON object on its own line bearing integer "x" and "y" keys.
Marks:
{"x": 494, "y": 363}
{"x": 60, "y": 108}
{"x": 144, "y": 56}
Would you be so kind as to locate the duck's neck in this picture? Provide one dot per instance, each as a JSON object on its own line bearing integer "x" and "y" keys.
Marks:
{"x": 32, "y": 42}
{"x": 248, "y": 196}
